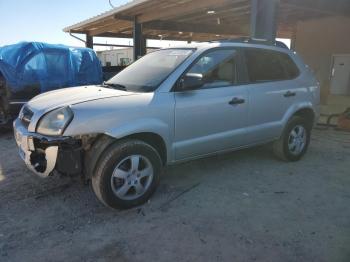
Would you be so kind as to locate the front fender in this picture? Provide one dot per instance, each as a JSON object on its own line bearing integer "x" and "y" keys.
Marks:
{"x": 145, "y": 125}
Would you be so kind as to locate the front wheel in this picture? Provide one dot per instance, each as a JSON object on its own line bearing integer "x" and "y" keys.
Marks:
{"x": 127, "y": 174}
{"x": 294, "y": 141}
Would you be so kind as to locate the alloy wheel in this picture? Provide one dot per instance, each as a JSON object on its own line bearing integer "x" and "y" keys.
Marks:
{"x": 132, "y": 177}
{"x": 297, "y": 140}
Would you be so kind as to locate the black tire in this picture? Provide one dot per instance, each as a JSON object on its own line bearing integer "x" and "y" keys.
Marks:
{"x": 281, "y": 147}
{"x": 114, "y": 154}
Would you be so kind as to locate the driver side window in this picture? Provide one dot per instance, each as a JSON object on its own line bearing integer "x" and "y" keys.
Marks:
{"x": 216, "y": 68}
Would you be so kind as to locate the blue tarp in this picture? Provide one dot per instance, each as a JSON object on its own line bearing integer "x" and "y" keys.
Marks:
{"x": 48, "y": 67}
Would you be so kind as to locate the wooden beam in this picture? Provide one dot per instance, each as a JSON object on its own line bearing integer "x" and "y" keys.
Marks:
{"x": 183, "y": 8}
{"x": 114, "y": 35}
{"x": 124, "y": 18}
{"x": 78, "y": 32}
{"x": 131, "y": 46}
{"x": 220, "y": 13}
{"x": 309, "y": 9}
{"x": 194, "y": 28}
{"x": 166, "y": 36}
{"x": 110, "y": 27}
{"x": 330, "y": 7}
{"x": 128, "y": 35}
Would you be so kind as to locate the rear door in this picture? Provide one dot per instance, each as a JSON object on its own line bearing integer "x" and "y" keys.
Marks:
{"x": 212, "y": 117}
{"x": 272, "y": 91}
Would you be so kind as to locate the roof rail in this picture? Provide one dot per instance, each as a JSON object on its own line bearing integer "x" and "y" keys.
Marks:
{"x": 249, "y": 40}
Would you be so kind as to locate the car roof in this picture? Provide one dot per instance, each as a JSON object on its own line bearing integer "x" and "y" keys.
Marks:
{"x": 278, "y": 46}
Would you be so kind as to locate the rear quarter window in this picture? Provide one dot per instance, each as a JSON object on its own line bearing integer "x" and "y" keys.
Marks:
{"x": 267, "y": 65}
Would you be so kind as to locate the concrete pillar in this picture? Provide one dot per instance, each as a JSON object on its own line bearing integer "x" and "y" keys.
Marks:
{"x": 89, "y": 42}
{"x": 139, "y": 41}
{"x": 263, "y": 24}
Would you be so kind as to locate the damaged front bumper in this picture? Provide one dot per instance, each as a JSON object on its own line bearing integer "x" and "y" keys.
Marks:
{"x": 44, "y": 154}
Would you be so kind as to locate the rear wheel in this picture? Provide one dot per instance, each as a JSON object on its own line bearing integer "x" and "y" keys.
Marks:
{"x": 294, "y": 141}
{"x": 127, "y": 174}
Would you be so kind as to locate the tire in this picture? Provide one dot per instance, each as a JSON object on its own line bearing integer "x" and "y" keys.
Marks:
{"x": 291, "y": 147}
{"x": 120, "y": 181}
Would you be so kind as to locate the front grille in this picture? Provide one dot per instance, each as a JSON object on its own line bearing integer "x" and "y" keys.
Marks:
{"x": 26, "y": 116}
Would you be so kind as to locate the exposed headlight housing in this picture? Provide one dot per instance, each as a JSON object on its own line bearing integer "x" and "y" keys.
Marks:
{"x": 55, "y": 122}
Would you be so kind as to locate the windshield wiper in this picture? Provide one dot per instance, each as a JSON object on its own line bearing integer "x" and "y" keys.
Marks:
{"x": 115, "y": 86}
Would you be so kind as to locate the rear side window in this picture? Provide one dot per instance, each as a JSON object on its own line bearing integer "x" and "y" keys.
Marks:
{"x": 266, "y": 65}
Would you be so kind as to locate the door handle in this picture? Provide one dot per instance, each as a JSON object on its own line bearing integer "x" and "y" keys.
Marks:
{"x": 290, "y": 94}
{"x": 237, "y": 101}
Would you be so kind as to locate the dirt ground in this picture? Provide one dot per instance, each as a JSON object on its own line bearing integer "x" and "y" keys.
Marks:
{"x": 243, "y": 206}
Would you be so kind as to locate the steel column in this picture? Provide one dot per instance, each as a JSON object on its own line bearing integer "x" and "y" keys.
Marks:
{"x": 89, "y": 41}
{"x": 264, "y": 19}
{"x": 139, "y": 41}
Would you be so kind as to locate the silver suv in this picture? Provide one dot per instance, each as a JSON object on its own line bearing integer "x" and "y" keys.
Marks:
{"x": 172, "y": 105}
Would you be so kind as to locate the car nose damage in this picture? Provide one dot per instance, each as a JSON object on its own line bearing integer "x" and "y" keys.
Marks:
{"x": 44, "y": 154}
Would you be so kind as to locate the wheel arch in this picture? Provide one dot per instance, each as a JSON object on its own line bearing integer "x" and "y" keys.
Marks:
{"x": 154, "y": 140}
{"x": 155, "y": 132}
{"x": 304, "y": 109}
{"x": 103, "y": 141}
{"x": 308, "y": 114}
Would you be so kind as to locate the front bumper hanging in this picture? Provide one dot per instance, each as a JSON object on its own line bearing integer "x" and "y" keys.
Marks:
{"x": 44, "y": 154}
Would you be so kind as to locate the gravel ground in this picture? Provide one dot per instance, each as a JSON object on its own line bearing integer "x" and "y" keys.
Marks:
{"x": 243, "y": 206}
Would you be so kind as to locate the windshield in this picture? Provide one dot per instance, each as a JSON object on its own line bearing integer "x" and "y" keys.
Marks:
{"x": 147, "y": 73}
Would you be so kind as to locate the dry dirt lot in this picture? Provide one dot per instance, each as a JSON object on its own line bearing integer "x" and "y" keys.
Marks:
{"x": 243, "y": 206}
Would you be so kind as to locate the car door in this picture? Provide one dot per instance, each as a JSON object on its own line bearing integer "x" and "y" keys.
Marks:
{"x": 213, "y": 116}
{"x": 271, "y": 92}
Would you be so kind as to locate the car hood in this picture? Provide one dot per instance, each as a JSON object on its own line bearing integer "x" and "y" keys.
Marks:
{"x": 72, "y": 96}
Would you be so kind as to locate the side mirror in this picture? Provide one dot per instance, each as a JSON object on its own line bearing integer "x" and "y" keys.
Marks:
{"x": 190, "y": 82}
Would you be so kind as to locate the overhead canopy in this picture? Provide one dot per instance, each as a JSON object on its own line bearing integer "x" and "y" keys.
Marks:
{"x": 201, "y": 20}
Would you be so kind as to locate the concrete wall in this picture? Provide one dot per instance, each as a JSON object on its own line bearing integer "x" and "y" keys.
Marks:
{"x": 316, "y": 42}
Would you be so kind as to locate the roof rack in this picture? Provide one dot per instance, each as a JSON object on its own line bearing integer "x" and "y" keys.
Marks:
{"x": 249, "y": 40}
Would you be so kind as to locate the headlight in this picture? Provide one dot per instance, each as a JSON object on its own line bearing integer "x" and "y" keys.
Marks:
{"x": 55, "y": 122}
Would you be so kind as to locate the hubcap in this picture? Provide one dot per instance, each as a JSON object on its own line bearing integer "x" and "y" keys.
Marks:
{"x": 297, "y": 140}
{"x": 132, "y": 177}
